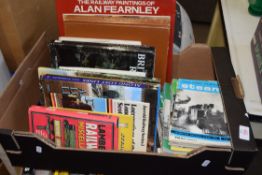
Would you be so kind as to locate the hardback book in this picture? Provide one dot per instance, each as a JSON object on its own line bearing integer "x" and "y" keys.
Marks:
{"x": 122, "y": 89}
{"x": 103, "y": 56}
{"x": 198, "y": 115}
{"x": 75, "y": 129}
{"x": 140, "y": 113}
{"x": 151, "y": 31}
{"x": 256, "y": 49}
{"x": 134, "y": 8}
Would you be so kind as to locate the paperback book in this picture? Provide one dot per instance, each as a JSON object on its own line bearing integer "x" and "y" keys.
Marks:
{"x": 75, "y": 129}
{"x": 198, "y": 115}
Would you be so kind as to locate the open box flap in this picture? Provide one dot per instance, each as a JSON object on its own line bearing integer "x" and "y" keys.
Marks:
{"x": 194, "y": 63}
{"x": 243, "y": 142}
{"x": 19, "y": 90}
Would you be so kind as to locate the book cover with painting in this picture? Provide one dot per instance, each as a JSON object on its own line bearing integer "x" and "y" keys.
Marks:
{"x": 125, "y": 127}
{"x": 74, "y": 129}
{"x": 198, "y": 115}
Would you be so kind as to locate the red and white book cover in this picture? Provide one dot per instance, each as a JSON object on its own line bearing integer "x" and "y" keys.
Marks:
{"x": 75, "y": 129}
{"x": 121, "y": 7}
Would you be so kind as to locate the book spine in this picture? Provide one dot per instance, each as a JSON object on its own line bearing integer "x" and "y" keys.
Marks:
{"x": 156, "y": 119}
{"x": 53, "y": 55}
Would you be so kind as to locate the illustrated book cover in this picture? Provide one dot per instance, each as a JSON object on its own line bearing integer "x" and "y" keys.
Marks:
{"x": 74, "y": 129}
{"x": 125, "y": 127}
{"x": 198, "y": 115}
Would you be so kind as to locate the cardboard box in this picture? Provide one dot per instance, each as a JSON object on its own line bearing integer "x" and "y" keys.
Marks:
{"x": 27, "y": 149}
{"x": 21, "y": 24}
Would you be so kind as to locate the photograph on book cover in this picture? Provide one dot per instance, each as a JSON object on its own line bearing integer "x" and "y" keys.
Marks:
{"x": 103, "y": 56}
{"x": 198, "y": 113}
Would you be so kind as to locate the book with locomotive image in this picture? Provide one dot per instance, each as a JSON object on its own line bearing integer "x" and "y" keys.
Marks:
{"x": 75, "y": 129}
{"x": 198, "y": 116}
{"x": 104, "y": 56}
{"x": 103, "y": 88}
{"x": 125, "y": 127}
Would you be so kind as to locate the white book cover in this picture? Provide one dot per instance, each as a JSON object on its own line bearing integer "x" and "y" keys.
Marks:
{"x": 140, "y": 111}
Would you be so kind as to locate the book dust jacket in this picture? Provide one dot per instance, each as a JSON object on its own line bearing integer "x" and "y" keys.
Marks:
{"x": 74, "y": 129}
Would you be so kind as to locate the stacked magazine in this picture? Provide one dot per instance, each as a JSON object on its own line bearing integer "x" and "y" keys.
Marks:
{"x": 192, "y": 116}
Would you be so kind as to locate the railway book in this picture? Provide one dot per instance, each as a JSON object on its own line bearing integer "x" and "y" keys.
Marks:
{"x": 140, "y": 113}
{"x": 74, "y": 129}
{"x": 103, "y": 56}
{"x": 198, "y": 115}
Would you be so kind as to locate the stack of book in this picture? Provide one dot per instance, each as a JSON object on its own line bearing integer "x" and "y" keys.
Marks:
{"x": 192, "y": 116}
{"x": 102, "y": 90}
{"x": 103, "y": 78}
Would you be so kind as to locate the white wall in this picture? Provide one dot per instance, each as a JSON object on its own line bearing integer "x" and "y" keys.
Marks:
{"x": 4, "y": 73}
